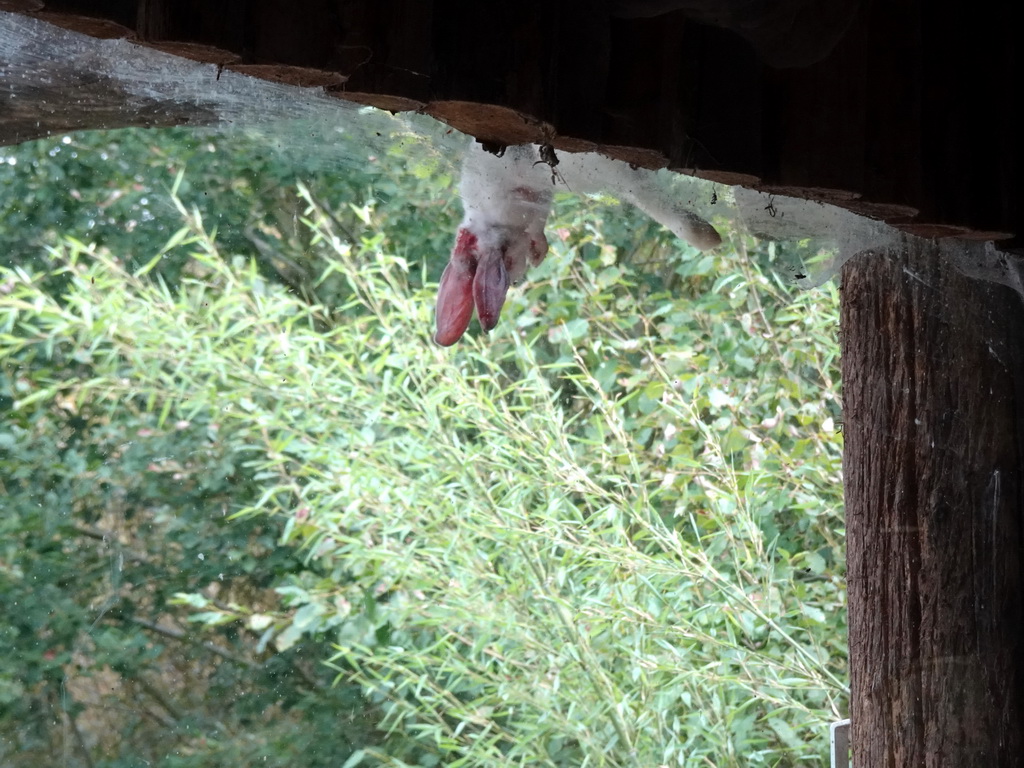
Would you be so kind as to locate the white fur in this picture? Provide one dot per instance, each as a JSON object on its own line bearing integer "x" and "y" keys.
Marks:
{"x": 497, "y": 208}
{"x": 507, "y": 200}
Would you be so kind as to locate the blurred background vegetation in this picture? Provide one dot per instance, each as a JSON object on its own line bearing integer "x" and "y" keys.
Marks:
{"x": 251, "y": 515}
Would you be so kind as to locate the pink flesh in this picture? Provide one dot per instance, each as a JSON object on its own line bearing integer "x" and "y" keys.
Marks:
{"x": 455, "y": 292}
{"x": 480, "y": 279}
{"x": 489, "y": 288}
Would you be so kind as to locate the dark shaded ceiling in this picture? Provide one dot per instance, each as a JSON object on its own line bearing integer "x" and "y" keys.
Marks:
{"x": 899, "y": 110}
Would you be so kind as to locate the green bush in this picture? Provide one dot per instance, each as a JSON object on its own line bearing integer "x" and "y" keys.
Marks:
{"x": 610, "y": 534}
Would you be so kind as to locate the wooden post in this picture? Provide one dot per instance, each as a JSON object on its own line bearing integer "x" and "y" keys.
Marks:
{"x": 933, "y": 381}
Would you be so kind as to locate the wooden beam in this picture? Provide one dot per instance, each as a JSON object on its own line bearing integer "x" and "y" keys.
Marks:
{"x": 933, "y": 388}
{"x": 907, "y": 105}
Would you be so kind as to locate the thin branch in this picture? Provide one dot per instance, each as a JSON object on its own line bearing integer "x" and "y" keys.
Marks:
{"x": 178, "y": 634}
{"x": 109, "y": 537}
{"x": 221, "y": 651}
{"x": 150, "y": 690}
{"x": 69, "y": 719}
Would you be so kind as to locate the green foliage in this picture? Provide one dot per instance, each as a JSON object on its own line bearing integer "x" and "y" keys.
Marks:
{"x": 112, "y": 189}
{"x": 608, "y": 535}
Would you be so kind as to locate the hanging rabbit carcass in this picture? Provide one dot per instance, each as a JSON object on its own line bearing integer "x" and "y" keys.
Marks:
{"x": 507, "y": 199}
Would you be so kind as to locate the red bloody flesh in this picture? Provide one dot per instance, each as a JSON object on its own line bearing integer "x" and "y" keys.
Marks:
{"x": 489, "y": 287}
{"x": 479, "y": 274}
{"x": 455, "y": 293}
{"x": 472, "y": 278}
